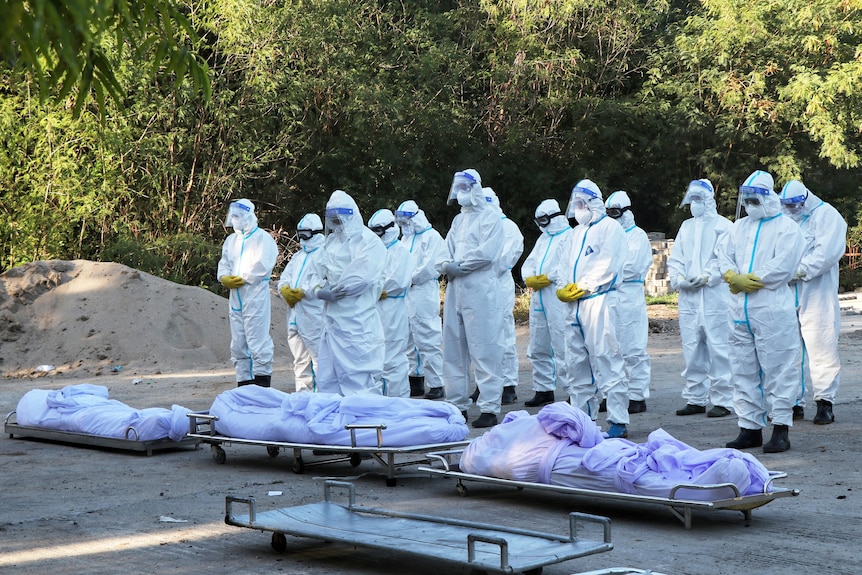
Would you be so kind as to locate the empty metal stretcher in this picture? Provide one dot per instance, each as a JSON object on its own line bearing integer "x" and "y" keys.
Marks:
{"x": 441, "y": 465}
{"x": 484, "y": 547}
{"x": 202, "y": 428}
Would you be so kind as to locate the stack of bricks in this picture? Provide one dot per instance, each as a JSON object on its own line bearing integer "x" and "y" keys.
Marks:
{"x": 657, "y": 281}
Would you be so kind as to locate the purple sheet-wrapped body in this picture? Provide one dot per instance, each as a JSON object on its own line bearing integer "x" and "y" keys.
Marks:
{"x": 267, "y": 414}
{"x": 86, "y": 408}
{"x": 562, "y": 446}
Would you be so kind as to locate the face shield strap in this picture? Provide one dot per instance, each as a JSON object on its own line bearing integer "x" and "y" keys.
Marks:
{"x": 544, "y": 221}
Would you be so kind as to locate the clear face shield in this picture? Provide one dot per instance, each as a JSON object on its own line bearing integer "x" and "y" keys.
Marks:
{"x": 794, "y": 207}
{"x": 462, "y": 189}
{"x": 752, "y": 199}
{"x": 336, "y": 219}
{"x": 403, "y": 218}
{"x": 237, "y": 213}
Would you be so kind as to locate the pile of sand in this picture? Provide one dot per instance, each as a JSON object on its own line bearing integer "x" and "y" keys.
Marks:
{"x": 89, "y": 317}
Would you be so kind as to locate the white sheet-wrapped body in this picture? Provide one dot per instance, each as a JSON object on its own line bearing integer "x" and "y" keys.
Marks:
{"x": 267, "y": 414}
{"x": 86, "y": 408}
{"x": 561, "y": 446}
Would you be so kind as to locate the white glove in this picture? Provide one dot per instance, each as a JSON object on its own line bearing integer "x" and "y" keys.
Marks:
{"x": 801, "y": 275}
{"x": 683, "y": 283}
{"x": 453, "y": 270}
{"x": 699, "y": 282}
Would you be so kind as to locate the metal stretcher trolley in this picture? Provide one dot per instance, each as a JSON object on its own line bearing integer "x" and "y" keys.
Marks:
{"x": 442, "y": 465}
{"x": 484, "y": 547}
{"x": 202, "y": 427}
{"x": 130, "y": 443}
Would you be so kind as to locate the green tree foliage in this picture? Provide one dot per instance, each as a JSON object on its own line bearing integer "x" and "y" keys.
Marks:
{"x": 75, "y": 47}
{"x": 387, "y": 99}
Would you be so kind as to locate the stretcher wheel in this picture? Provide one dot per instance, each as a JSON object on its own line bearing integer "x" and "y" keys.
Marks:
{"x": 279, "y": 542}
{"x": 391, "y": 482}
{"x": 355, "y": 459}
{"x": 272, "y": 450}
{"x": 298, "y": 465}
{"x": 462, "y": 489}
{"x": 219, "y": 456}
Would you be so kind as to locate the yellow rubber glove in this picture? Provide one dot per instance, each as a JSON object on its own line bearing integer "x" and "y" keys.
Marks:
{"x": 232, "y": 282}
{"x": 738, "y": 282}
{"x": 298, "y": 293}
{"x": 383, "y": 295}
{"x": 537, "y": 282}
{"x": 570, "y": 293}
{"x": 287, "y": 293}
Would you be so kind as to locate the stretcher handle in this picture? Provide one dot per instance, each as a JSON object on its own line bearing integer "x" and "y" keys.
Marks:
{"x": 8, "y": 416}
{"x": 352, "y": 427}
{"x": 198, "y": 419}
{"x": 574, "y": 517}
{"x": 229, "y": 500}
{"x": 502, "y": 543}
{"x": 714, "y": 487}
{"x": 330, "y": 483}
{"x": 443, "y": 456}
{"x": 130, "y": 431}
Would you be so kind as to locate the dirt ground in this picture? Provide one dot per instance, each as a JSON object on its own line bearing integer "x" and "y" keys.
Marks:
{"x": 83, "y": 510}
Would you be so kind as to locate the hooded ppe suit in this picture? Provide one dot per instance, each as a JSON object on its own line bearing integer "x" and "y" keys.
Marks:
{"x": 428, "y": 252}
{"x": 547, "y": 348}
{"x": 472, "y": 311}
{"x": 704, "y": 299}
{"x": 512, "y": 250}
{"x": 350, "y": 283}
{"x": 305, "y": 317}
{"x": 816, "y": 289}
{"x": 594, "y": 260}
{"x": 764, "y": 339}
{"x": 392, "y": 305}
{"x": 632, "y": 320}
{"x": 249, "y": 253}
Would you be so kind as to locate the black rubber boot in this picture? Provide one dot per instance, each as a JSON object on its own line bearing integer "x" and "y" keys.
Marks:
{"x": 485, "y": 420}
{"x": 747, "y": 438}
{"x": 417, "y": 385}
{"x": 246, "y": 382}
{"x": 540, "y": 398}
{"x": 263, "y": 380}
{"x": 603, "y": 406}
{"x": 637, "y": 405}
{"x": 436, "y": 393}
{"x": 509, "y": 395}
{"x": 474, "y": 397}
{"x": 691, "y": 409}
{"x": 798, "y": 412}
{"x": 824, "y": 414}
{"x": 779, "y": 441}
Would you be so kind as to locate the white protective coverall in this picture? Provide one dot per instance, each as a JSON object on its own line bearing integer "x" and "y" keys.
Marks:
{"x": 350, "y": 283}
{"x": 428, "y": 251}
{"x": 472, "y": 311}
{"x": 392, "y": 305}
{"x": 305, "y": 318}
{"x": 704, "y": 299}
{"x": 816, "y": 289}
{"x": 764, "y": 339}
{"x": 632, "y": 320}
{"x": 547, "y": 348}
{"x": 594, "y": 260}
{"x": 250, "y": 253}
{"x": 512, "y": 250}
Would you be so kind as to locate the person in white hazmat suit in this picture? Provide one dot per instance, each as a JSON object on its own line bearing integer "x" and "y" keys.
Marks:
{"x": 760, "y": 255}
{"x": 590, "y": 270}
{"x": 472, "y": 310}
{"x": 350, "y": 283}
{"x": 392, "y": 305}
{"x": 703, "y": 304}
{"x": 305, "y": 317}
{"x": 425, "y": 341}
{"x": 816, "y": 289}
{"x": 547, "y": 348}
{"x": 512, "y": 250}
{"x": 632, "y": 320}
{"x": 247, "y": 258}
